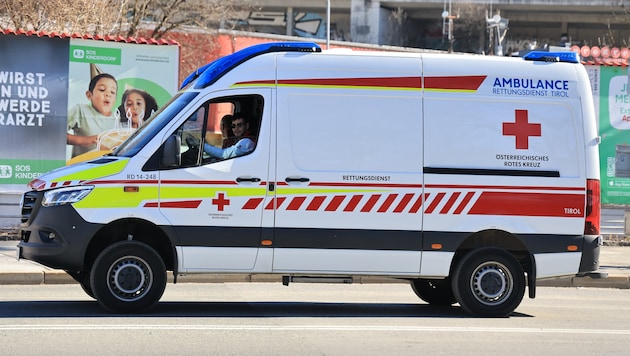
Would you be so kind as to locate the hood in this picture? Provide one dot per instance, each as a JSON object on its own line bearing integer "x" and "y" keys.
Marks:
{"x": 79, "y": 173}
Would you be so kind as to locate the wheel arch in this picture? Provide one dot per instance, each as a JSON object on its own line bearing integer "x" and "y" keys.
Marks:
{"x": 134, "y": 229}
{"x": 499, "y": 239}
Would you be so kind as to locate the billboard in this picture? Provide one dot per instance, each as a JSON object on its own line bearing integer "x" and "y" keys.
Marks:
{"x": 614, "y": 129}
{"x": 61, "y": 99}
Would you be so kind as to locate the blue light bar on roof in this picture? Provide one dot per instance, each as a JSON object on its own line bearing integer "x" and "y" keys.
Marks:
{"x": 211, "y": 72}
{"x": 568, "y": 57}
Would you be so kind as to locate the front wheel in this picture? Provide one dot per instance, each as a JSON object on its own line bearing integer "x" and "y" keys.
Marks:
{"x": 128, "y": 277}
{"x": 489, "y": 282}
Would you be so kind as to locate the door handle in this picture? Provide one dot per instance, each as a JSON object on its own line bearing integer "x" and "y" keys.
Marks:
{"x": 296, "y": 179}
{"x": 247, "y": 179}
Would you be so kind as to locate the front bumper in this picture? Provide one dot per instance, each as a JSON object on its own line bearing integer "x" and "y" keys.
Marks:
{"x": 56, "y": 237}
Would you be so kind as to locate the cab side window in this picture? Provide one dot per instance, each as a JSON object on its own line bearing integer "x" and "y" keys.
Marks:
{"x": 221, "y": 129}
{"x": 233, "y": 127}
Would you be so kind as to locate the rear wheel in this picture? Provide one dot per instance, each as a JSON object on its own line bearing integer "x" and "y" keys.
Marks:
{"x": 489, "y": 282}
{"x": 434, "y": 291}
{"x": 128, "y": 277}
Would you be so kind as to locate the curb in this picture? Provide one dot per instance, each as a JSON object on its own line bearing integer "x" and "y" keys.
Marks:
{"x": 612, "y": 281}
{"x": 21, "y": 278}
{"x": 61, "y": 277}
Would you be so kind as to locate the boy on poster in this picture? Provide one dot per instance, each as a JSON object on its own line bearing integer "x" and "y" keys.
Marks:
{"x": 87, "y": 121}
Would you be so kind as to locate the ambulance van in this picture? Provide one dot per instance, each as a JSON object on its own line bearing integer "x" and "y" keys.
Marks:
{"x": 470, "y": 177}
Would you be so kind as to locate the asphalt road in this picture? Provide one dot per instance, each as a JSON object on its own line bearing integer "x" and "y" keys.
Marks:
{"x": 615, "y": 261}
{"x": 309, "y": 319}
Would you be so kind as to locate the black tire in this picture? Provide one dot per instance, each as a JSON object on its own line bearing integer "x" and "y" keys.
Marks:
{"x": 434, "y": 291}
{"x": 489, "y": 282}
{"x": 83, "y": 278}
{"x": 128, "y": 277}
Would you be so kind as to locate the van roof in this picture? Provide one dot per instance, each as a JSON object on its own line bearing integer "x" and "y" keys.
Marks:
{"x": 211, "y": 72}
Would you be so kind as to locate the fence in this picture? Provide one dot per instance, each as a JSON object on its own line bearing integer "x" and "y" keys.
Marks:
{"x": 10, "y": 210}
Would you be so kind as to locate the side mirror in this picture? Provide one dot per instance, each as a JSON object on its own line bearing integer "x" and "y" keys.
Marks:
{"x": 171, "y": 155}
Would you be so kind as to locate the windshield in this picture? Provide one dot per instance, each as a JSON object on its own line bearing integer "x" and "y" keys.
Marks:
{"x": 154, "y": 124}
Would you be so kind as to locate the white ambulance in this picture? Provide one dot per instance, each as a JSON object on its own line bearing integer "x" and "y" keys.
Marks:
{"x": 469, "y": 176}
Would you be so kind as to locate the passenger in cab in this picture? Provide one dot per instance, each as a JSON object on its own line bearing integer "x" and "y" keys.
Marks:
{"x": 226, "y": 131}
{"x": 245, "y": 141}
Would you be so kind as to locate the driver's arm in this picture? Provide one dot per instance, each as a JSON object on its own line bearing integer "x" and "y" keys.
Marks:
{"x": 242, "y": 147}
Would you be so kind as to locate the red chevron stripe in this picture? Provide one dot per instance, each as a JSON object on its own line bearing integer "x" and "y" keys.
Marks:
{"x": 418, "y": 204}
{"x": 278, "y": 201}
{"x": 403, "y": 203}
{"x": 449, "y": 204}
{"x": 315, "y": 203}
{"x": 354, "y": 201}
{"x": 296, "y": 203}
{"x": 464, "y": 202}
{"x": 370, "y": 203}
{"x": 387, "y": 203}
{"x": 335, "y": 202}
{"x": 252, "y": 204}
{"x": 434, "y": 203}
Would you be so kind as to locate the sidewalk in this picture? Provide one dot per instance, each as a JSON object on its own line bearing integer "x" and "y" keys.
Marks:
{"x": 615, "y": 260}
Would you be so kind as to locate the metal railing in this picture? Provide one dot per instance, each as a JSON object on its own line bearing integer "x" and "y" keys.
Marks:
{"x": 9, "y": 216}
{"x": 10, "y": 213}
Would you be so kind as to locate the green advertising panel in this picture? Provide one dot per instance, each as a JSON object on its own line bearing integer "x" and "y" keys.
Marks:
{"x": 94, "y": 54}
{"x": 614, "y": 129}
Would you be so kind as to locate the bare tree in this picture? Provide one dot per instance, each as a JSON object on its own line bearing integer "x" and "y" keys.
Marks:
{"x": 74, "y": 16}
{"x": 614, "y": 36}
{"x": 470, "y": 25}
{"x": 158, "y": 17}
{"x": 153, "y": 18}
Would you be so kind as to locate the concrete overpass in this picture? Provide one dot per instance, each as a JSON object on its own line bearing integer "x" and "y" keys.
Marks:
{"x": 406, "y": 22}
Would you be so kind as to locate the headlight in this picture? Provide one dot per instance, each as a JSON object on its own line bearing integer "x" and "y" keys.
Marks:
{"x": 65, "y": 195}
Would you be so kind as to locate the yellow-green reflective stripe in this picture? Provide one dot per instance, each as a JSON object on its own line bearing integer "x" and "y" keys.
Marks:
{"x": 186, "y": 192}
{"x": 115, "y": 197}
{"x": 101, "y": 170}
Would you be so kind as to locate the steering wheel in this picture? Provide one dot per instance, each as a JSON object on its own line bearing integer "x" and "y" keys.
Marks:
{"x": 191, "y": 141}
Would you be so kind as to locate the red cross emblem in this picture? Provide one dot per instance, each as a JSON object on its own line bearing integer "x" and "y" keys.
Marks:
{"x": 521, "y": 130}
{"x": 220, "y": 201}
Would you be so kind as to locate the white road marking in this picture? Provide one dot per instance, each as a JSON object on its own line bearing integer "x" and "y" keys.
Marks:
{"x": 315, "y": 327}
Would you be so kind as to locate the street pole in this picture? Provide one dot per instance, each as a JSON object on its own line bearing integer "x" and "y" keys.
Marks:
{"x": 327, "y": 24}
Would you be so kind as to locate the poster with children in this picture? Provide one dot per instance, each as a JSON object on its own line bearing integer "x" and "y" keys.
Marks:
{"x": 113, "y": 89}
{"x": 65, "y": 100}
